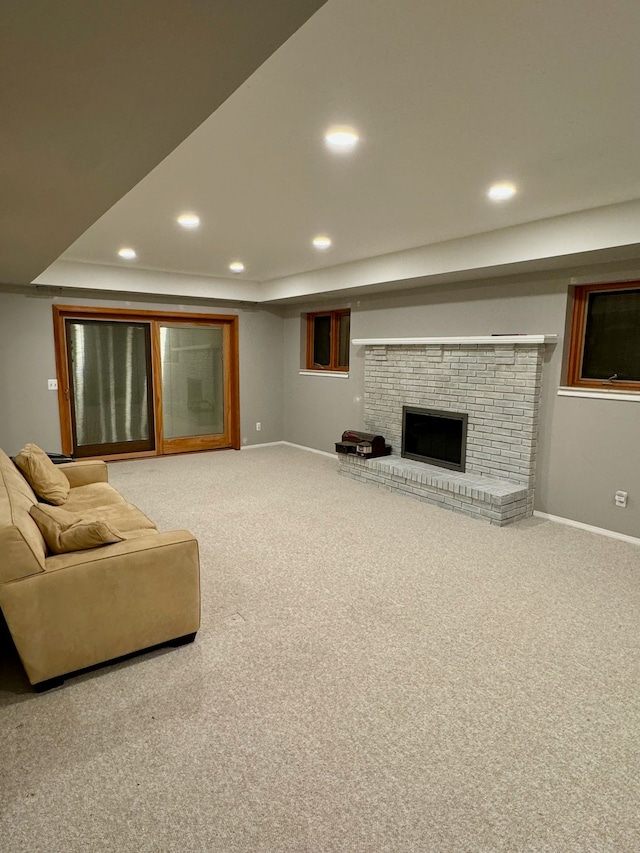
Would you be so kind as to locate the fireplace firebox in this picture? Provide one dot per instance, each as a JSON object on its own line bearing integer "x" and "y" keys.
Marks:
{"x": 435, "y": 437}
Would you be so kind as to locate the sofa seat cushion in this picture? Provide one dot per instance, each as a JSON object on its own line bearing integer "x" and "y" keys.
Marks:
{"x": 66, "y": 531}
{"x": 101, "y": 502}
{"x": 138, "y": 534}
{"x": 124, "y": 517}
{"x": 91, "y": 496}
{"x": 48, "y": 482}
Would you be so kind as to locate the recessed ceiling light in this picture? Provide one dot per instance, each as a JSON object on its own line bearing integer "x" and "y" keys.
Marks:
{"x": 501, "y": 191}
{"x": 128, "y": 254}
{"x": 322, "y": 242}
{"x": 236, "y": 266}
{"x": 341, "y": 138}
{"x": 189, "y": 220}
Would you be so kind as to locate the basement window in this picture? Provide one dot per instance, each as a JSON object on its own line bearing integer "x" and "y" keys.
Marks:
{"x": 328, "y": 340}
{"x": 604, "y": 349}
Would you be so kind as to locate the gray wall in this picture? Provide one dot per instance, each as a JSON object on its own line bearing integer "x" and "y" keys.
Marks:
{"x": 318, "y": 408}
{"x": 29, "y": 412}
{"x": 260, "y": 375}
{"x": 587, "y": 448}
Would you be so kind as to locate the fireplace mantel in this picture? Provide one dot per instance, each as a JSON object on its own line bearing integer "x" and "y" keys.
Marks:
{"x": 523, "y": 340}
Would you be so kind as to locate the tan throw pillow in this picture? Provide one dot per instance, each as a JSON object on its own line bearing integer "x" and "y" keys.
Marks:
{"x": 65, "y": 531}
{"x": 47, "y": 481}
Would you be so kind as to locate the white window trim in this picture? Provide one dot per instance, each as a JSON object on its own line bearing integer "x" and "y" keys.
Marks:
{"x": 629, "y": 396}
{"x": 342, "y": 374}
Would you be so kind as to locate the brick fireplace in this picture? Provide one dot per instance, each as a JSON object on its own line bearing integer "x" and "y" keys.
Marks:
{"x": 495, "y": 381}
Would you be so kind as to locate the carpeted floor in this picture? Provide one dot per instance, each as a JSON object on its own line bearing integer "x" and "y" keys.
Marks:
{"x": 372, "y": 674}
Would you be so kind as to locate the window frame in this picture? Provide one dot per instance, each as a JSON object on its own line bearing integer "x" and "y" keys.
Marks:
{"x": 333, "y": 366}
{"x": 577, "y": 338}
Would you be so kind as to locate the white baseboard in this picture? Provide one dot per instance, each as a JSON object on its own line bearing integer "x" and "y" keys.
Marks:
{"x": 265, "y": 444}
{"x": 602, "y": 531}
{"x": 289, "y": 444}
{"x": 310, "y": 449}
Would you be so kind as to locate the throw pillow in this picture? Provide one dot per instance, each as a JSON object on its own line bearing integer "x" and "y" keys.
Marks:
{"x": 65, "y": 531}
{"x": 47, "y": 481}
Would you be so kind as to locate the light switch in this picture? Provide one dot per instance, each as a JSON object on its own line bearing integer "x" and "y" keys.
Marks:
{"x": 52, "y": 384}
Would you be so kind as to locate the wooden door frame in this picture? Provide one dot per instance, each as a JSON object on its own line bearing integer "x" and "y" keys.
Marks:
{"x": 61, "y": 313}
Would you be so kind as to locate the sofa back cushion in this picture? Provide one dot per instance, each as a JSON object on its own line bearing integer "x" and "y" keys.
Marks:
{"x": 22, "y": 548}
{"x": 48, "y": 482}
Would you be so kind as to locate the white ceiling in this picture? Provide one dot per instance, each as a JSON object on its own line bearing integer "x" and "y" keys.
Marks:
{"x": 448, "y": 97}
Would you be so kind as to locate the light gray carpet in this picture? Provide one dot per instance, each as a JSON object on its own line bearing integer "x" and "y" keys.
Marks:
{"x": 372, "y": 674}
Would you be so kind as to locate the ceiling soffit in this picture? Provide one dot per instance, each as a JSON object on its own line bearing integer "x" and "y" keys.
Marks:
{"x": 95, "y": 95}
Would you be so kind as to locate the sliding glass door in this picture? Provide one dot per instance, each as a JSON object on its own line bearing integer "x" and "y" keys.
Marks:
{"x": 192, "y": 387}
{"x": 110, "y": 387}
{"x": 146, "y": 383}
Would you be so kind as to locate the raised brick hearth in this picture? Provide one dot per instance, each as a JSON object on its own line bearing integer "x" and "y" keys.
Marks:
{"x": 497, "y": 384}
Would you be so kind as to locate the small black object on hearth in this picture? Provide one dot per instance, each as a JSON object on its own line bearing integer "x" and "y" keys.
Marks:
{"x": 364, "y": 444}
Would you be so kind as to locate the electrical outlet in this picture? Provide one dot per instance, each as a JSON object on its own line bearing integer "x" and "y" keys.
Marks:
{"x": 52, "y": 384}
{"x": 258, "y": 426}
{"x": 621, "y": 498}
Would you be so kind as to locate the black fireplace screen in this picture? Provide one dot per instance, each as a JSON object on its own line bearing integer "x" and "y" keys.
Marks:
{"x": 433, "y": 436}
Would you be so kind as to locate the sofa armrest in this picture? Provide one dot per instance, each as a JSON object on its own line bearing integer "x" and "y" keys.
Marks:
{"x": 84, "y": 472}
{"x": 152, "y": 546}
{"x": 93, "y": 606}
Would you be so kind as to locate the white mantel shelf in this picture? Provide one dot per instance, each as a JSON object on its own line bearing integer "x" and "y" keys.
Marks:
{"x": 523, "y": 340}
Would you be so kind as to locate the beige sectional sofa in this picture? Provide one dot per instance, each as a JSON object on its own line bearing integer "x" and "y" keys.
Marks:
{"x": 70, "y": 611}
